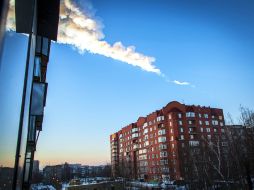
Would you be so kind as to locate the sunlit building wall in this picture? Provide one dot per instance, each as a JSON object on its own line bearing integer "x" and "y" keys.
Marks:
{"x": 155, "y": 147}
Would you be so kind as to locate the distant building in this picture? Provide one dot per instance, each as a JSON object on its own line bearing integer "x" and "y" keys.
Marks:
{"x": 156, "y": 146}
{"x": 5, "y": 178}
{"x": 84, "y": 171}
{"x": 53, "y": 173}
{"x": 66, "y": 172}
{"x": 75, "y": 170}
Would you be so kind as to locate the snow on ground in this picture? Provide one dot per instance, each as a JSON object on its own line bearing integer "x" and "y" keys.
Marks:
{"x": 42, "y": 187}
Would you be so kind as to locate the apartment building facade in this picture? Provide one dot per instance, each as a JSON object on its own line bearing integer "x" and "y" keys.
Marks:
{"x": 156, "y": 146}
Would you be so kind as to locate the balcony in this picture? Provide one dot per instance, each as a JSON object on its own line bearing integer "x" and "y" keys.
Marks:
{"x": 190, "y": 114}
{"x": 134, "y": 130}
{"x": 134, "y": 135}
{"x": 160, "y": 119}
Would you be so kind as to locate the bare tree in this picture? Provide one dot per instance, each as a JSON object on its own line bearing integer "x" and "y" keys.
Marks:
{"x": 241, "y": 146}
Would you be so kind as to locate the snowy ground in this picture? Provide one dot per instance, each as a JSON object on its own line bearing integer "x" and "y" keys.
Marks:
{"x": 42, "y": 187}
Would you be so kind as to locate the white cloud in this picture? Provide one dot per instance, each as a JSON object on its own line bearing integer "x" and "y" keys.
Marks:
{"x": 181, "y": 83}
{"x": 80, "y": 29}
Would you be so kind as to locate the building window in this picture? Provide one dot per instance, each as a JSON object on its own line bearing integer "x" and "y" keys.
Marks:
{"x": 193, "y": 143}
{"x": 179, "y": 115}
{"x": 190, "y": 114}
{"x": 160, "y": 118}
{"x": 206, "y": 116}
{"x": 199, "y": 115}
{"x": 180, "y": 122}
{"x": 164, "y": 161}
{"x": 162, "y": 146}
{"x": 208, "y": 130}
{"x": 181, "y": 129}
{"x": 134, "y": 135}
{"x": 191, "y": 136}
{"x": 200, "y": 122}
{"x": 220, "y": 117}
{"x": 161, "y": 125}
{"x": 215, "y": 122}
{"x": 206, "y": 122}
{"x": 221, "y": 124}
{"x": 163, "y": 154}
{"x": 181, "y": 137}
{"x": 169, "y": 116}
{"x": 162, "y": 132}
{"x": 145, "y": 131}
{"x": 162, "y": 139}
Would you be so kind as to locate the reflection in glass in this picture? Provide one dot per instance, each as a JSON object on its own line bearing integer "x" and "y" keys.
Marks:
{"x": 13, "y": 59}
{"x": 32, "y": 130}
{"x": 38, "y": 98}
{"x": 45, "y": 46}
{"x": 37, "y": 68}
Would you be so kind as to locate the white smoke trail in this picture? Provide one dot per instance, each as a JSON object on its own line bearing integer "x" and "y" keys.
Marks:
{"x": 79, "y": 29}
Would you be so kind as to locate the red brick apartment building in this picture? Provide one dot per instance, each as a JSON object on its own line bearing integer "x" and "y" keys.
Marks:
{"x": 154, "y": 147}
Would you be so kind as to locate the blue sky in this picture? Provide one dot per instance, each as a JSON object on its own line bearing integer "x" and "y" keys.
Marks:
{"x": 209, "y": 44}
